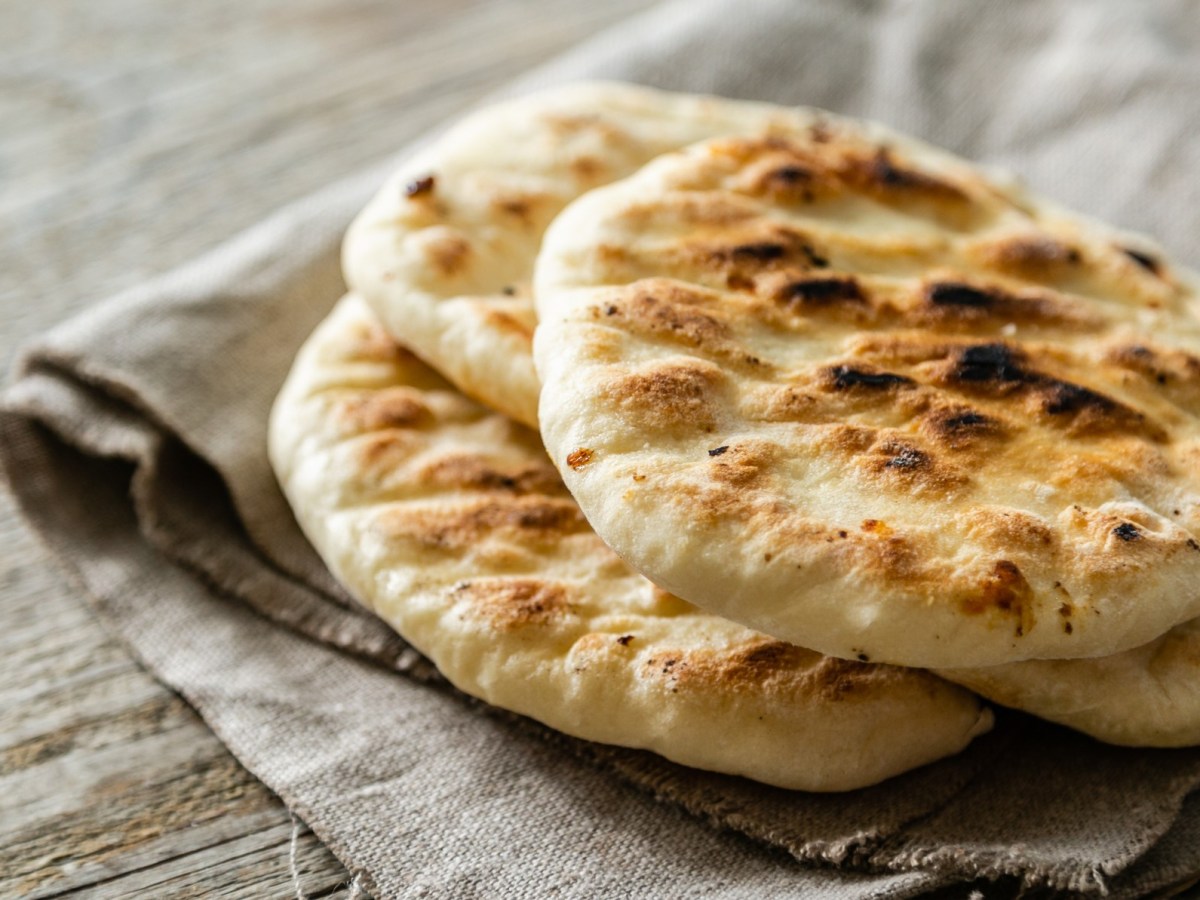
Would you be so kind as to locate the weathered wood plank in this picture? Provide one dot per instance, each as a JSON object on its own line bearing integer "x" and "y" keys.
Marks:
{"x": 134, "y": 135}
{"x": 138, "y": 801}
{"x": 258, "y": 864}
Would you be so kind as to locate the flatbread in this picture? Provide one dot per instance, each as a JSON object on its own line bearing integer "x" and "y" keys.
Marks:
{"x": 1145, "y": 697}
{"x": 449, "y": 522}
{"x": 444, "y": 253}
{"x": 843, "y": 387}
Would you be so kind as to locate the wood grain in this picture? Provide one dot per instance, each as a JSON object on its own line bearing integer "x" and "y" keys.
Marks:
{"x": 135, "y": 135}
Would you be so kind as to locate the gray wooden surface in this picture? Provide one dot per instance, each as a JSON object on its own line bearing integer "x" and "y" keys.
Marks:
{"x": 135, "y": 134}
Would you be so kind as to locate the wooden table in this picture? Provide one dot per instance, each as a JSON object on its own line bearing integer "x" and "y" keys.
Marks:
{"x": 135, "y": 134}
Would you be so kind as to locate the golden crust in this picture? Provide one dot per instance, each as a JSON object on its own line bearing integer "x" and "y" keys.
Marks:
{"x": 1010, "y": 391}
{"x": 450, "y": 523}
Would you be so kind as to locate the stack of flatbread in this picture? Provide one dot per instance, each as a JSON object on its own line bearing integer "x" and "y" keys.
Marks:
{"x": 757, "y": 437}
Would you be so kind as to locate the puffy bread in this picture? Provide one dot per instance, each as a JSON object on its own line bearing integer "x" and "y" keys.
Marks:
{"x": 444, "y": 253}
{"x": 449, "y": 522}
{"x": 1145, "y": 697}
{"x": 845, "y": 388}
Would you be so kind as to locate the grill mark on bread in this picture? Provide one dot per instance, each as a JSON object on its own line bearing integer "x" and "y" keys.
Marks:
{"x": 528, "y": 519}
{"x": 793, "y": 171}
{"x": 502, "y": 321}
{"x": 822, "y": 293}
{"x": 841, "y": 679}
{"x": 790, "y": 182}
{"x": 960, "y": 427}
{"x": 471, "y": 472}
{"x": 760, "y": 661}
{"x": 992, "y": 365}
{"x": 1031, "y": 256}
{"x": 765, "y": 254}
{"x": 897, "y": 461}
{"x": 514, "y": 206}
{"x": 587, "y": 168}
{"x": 900, "y": 349}
{"x": 1145, "y": 261}
{"x": 672, "y": 313}
{"x": 881, "y": 175}
{"x": 605, "y": 130}
{"x": 508, "y": 604}
{"x": 779, "y": 247}
{"x": 521, "y": 207}
{"x": 961, "y": 295}
{"x": 448, "y": 252}
{"x": 847, "y": 377}
{"x": 942, "y": 305}
{"x": 848, "y": 439}
{"x": 762, "y": 251}
{"x": 670, "y": 395}
{"x": 382, "y": 451}
{"x": 767, "y": 666}
{"x": 370, "y": 343}
{"x": 961, "y": 303}
{"x": 1001, "y": 371}
{"x": 790, "y": 403}
{"x": 710, "y": 500}
{"x": 744, "y": 464}
{"x": 1003, "y": 529}
{"x": 785, "y": 173}
{"x": 1171, "y": 372}
{"x": 697, "y": 213}
{"x": 383, "y": 409}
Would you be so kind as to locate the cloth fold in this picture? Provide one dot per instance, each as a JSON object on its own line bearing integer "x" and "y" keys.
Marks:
{"x": 133, "y": 438}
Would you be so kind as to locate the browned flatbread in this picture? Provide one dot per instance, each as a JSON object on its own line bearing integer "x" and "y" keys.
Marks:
{"x": 448, "y": 520}
{"x": 444, "y": 252}
{"x": 846, "y": 389}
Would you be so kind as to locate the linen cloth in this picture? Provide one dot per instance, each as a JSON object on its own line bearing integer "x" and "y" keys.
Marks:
{"x": 133, "y": 438}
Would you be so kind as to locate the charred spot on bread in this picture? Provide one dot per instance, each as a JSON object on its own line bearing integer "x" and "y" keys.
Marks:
{"x": 993, "y": 364}
{"x": 845, "y": 377}
{"x": 1150, "y": 263}
{"x": 1127, "y": 532}
{"x": 821, "y": 292}
{"x": 420, "y": 187}
{"x": 880, "y": 173}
